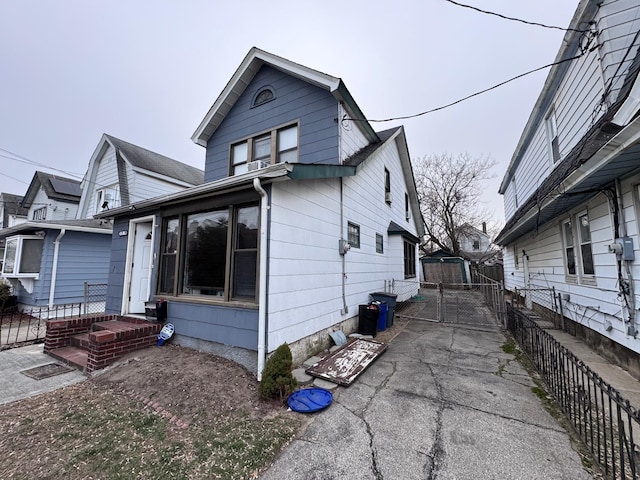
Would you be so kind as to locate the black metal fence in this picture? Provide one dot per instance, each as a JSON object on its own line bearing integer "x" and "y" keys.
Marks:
{"x": 605, "y": 421}
{"x": 543, "y": 302}
{"x": 95, "y": 296}
{"x": 30, "y": 325}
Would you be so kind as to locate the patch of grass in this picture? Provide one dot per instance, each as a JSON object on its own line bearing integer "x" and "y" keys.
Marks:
{"x": 102, "y": 435}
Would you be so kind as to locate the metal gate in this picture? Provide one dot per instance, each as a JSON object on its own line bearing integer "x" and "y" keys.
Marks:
{"x": 480, "y": 304}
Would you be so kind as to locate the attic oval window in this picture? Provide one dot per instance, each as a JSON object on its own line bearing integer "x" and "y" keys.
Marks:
{"x": 263, "y": 96}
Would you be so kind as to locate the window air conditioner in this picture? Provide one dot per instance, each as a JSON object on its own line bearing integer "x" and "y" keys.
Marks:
{"x": 257, "y": 165}
{"x": 388, "y": 197}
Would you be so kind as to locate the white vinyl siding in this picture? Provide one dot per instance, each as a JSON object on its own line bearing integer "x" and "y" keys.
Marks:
{"x": 305, "y": 227}
{"x": 351, "y": 137}
{"x": 56, "y": 209}
{"x": 106, "y": 175}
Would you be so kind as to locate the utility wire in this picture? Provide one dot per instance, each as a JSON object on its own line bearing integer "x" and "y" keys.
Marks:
{"x": 21, "y": 159}
{"x": 515, "y": 19}
{"x": 442, "y": 107}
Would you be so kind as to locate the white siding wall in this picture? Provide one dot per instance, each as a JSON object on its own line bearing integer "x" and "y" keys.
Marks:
{"x": 56, "y": 209}
{"x": 578, "y": 95}
{"x": 618, "y": 21}
{"x": 351, "y": 137}
{"x": 589, "y": 304}
{"x": 305, "y": 285}
{"x": 142, "y": 186}
{"x": 106, "y": 176}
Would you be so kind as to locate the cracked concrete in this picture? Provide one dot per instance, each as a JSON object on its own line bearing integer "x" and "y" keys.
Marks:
{"x": 444, "y": 402}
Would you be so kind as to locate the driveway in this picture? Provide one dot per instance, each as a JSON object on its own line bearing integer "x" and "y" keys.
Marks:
{"x": 443, "y": 402}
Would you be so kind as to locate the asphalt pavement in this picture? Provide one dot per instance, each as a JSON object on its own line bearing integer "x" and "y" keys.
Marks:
{"x": 443, "y": 402}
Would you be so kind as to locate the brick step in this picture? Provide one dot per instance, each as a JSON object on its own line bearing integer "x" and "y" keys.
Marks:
{"x": 80, "y": 340}
{"x": 73, "y": 356}
{"x": 118, "y": 326}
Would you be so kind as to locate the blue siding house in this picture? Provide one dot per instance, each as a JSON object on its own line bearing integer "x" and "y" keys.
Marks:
{"x": 305, "y": 210}
{"x": 60, "y": 246}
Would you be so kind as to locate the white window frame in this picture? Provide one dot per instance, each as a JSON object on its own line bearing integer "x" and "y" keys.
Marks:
{"x": 516, "y": 261}
{"x": 568, "y": 222}
{"x": 19, "y": 239}
{"x": 39, "y": 213}
{"x": 582, "y": 242}
{"x": 553, "y": 140}
{"x": 238, "y": 166}
{"x": 109, "y": 194}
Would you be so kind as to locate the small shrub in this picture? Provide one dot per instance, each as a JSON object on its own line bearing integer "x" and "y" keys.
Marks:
{"x": 277, "y": 381}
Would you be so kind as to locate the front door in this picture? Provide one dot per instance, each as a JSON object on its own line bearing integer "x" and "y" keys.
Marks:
{"x": 140, "y": 267}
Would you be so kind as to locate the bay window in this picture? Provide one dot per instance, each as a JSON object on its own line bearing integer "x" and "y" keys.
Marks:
{"x": 212, "y": 254}
{"x": 22, "y": 256}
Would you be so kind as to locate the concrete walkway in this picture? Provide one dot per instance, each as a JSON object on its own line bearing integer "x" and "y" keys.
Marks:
{"x": 16, "y": 386}
{"x": 443, "y": 402}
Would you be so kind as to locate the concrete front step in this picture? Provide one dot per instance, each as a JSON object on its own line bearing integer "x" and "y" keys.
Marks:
{"x": 74, "y": 356}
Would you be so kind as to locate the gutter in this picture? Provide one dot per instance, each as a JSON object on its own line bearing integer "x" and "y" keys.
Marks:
{"x": 54, "y": 268}
{"x": 614, "y": 147}
{"x": 262, "y": 285}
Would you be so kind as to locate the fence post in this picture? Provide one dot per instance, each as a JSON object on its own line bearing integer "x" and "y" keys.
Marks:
{"x": 86, "y": 296}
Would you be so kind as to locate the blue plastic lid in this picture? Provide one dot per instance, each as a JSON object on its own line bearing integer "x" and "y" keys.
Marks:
{"x": 310, "y": 400}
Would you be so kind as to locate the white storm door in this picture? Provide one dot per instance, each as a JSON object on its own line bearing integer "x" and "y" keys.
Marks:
{"x": 140, "y": 268}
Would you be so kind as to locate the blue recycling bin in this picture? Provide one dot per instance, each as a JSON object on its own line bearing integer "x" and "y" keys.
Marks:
{"x": 382, "y": 318}
{"x": 390, "y": 300}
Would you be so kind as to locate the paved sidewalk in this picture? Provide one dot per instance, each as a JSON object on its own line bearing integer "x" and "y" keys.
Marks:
{"x": 617, "y": 377}
{"x": 443, "y": 402}
{"x": 16, "y": 386}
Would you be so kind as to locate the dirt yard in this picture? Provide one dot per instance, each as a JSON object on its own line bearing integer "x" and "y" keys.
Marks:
{"x": 167, "y": 412}
{"x": 162, "y": 413}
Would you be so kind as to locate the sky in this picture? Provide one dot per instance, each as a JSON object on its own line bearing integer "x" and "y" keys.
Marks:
{"x": 148, "y": 71}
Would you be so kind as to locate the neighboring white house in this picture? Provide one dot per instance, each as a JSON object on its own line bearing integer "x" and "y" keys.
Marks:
{"x": 572, "y": 189}
{"x": 306, "y": 210}
{"x": 475, "y": 244}
{"x": 60, "y": 246}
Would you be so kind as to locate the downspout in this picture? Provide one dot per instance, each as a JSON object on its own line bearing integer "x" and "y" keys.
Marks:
{"x": 345, "y": 308}
{"x": 262, "y": 285}
{"x": 623, "y": 233}
{"x": 54, "y": 268}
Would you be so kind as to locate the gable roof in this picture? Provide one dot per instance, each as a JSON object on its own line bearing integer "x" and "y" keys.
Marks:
{"x": 54, "y": 186}
{"x": 253, "y": 61}
{"x": 13, "y": 205}
{"x": 150, "y": 161}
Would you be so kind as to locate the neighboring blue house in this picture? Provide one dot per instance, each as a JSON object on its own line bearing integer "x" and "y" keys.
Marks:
{"x": 49, "y": 257}
{"x": 305, "y": 211}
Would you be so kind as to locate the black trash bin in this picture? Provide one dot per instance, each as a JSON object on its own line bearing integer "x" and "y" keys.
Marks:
{"x": 390, "y": 300}
{"x": 368, "y": 319}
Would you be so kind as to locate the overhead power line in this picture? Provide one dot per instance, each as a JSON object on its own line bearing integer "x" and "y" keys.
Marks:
{"x": 527, "y": 22}
{"x": 442, "y": 107}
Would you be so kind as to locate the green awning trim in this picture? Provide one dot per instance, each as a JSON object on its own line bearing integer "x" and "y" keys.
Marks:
{"x": 302, "y": 171}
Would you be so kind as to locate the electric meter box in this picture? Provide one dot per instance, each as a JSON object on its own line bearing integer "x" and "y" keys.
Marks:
{"x": 627, "y": 248}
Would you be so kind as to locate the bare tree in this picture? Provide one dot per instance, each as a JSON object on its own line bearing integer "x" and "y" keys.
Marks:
{"x": 449, "y": 190}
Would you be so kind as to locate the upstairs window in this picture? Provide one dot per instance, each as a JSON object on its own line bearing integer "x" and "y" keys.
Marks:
{"x": 268, "y": 148}
{"x": 387, "y": 187}
{"x": 263, "y": 96}
{"x": 552, "y": 137}
{"x": 107, "y": 198}
{"x": 407, "y": 210}
{"x": 40, "y": 213}
{"x": 476, "y": 244}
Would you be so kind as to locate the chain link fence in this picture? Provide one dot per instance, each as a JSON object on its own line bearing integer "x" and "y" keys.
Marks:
{"x": 95, "y": 297}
